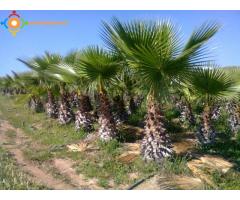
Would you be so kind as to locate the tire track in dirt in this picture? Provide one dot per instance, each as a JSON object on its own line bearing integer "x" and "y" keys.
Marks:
{"x": 37, "y": 174}
{"x": 65, "y": 166}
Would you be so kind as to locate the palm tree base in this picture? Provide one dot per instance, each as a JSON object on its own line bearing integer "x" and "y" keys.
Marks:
{"x": 156, "y": 144}
{"x": 83, "y": 121}
{"x": 206, "y": 136}
{"x": 234, "y": 118}
{"x": 52, "y": 110}
{"x": 35, "y": 105}
{"x": 65, "y": 114}
{"x": 154, "y": 150}
{"x": 107, "y": 130}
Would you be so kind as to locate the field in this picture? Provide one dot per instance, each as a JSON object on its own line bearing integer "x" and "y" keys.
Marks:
{"x": 42, "y": 142}
{"x": 144, "y": 111}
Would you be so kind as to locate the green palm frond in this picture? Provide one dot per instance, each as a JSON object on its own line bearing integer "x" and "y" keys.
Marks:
{"x": 212, "y": 83}
{"x": 202, "y": 34}
{"x": 156, "y": 52}
{"x": 234, "y": 72}
{"x": 98, "y": 66}
{"x": 41, "y": 63}
{"x": 64, "y": 71}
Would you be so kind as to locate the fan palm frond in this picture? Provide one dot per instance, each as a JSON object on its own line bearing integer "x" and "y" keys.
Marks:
{"x": 212, "y": 83}
{"x": 155, "y": 50}
{"x": 98, "y": 66}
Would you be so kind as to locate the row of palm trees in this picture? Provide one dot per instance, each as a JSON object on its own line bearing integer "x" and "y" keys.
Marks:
{"x": 142, "y": 60}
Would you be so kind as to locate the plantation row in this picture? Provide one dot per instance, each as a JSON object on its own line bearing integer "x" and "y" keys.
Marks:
{"x": 143, "y": 63}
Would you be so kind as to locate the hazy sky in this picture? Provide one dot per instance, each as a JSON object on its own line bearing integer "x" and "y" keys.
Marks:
{"x": 84, "y": 28}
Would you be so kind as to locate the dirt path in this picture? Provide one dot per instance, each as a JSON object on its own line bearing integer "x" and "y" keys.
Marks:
{"x": 65, "y": 166}
{"x": 38, "y": 175}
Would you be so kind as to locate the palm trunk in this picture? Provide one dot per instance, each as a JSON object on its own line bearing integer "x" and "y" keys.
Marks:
{"x": 120, "y": 113}
{"x": 186, "y": 115}
{"x": 206, "y": 133}
{"x": 107, "y": 130}
{"x": 35, "y": 104}
{"x": 156, "y": 144}
{"x": 191, "y": 117}
{"x": 51, "y": 106}
{"x": 65, "y": 114}
{"x": 215, "y": 113}
{"x": 132, "y": 105}
{"x": 83, "y": 119}
{"x": 234, "y": 117}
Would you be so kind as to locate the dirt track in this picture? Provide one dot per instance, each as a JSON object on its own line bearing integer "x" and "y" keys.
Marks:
{"x": 15, "y": 145}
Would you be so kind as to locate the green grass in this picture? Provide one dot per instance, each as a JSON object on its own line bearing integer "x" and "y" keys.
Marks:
{"x": 38, "y": 155}
{"x": 11, "y": 178}
{"x": 11, "y": 133}
{"x": 105, "y": 166}
{"x": 46, "y": 131}
{"x": 225, "y": 145}
{"x": 228, "y": 181}
{"x": 229, "y": 148}
{"x": 102, "y": 164}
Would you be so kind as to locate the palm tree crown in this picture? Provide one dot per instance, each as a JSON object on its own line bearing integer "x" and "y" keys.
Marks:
{"x": 156, "y": 51}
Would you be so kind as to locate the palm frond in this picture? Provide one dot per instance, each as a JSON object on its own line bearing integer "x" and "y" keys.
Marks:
{"x": 212, "y": 83}
{"x": 97, "y": 65}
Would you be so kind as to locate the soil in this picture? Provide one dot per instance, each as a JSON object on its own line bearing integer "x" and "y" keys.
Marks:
{"x": 16, "y": 145}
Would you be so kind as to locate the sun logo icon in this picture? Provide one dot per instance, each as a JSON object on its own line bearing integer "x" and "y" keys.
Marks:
{"x": 13, "y": 23}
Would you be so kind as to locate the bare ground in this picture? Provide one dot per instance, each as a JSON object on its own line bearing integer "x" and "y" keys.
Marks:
{"x": 16, "y": 145}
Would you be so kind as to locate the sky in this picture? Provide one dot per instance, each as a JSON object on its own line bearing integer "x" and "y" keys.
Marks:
{"x": 84, "y": 28}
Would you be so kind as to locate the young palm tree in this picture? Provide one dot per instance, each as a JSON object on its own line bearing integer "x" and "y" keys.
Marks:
{"x": 99, "y": 67}
{"x": 65, "y": 72}
{"x": 33, "y": 91}
{"x": 41, "y": 66}
{"x": 123, "y": 88}
{"x": 156, "y": 54}
{"x": 211, "y": 85}
{"x": 6, "y": 85}
{"x": 233, "y": 106}
{"x": 184, "y": 104}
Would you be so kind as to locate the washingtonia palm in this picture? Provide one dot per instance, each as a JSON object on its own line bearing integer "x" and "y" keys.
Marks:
{"x": 158, "y": 57}
{"x": 65, "y": 72}
{"x": 233, "y": 107}
{"x": 123, "y": 89}
{"x": 210, "y": 85}
{"x": 184, "y": 104}
{"x": 99, "y": 67}
{"x": 41, "y": 66}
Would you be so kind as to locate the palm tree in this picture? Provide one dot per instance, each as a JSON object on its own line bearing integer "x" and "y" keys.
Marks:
{"x": 6, "y": 85}
{"x": 65, "y": 72}
{"x": 123, "y": 89}
{"x": 159, "y": 59}
{"x": 41, "y": 66}
{"x": 184, "y": 104}
{"x": 210, "y": 85}
{"x": 99, "y": 68}
{"x": 233, "y": 106}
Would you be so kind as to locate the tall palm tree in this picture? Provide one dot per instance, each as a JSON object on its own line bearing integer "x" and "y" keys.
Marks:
{"x": 99, "y": 68}
{"x": 158, "y": 57}
{"x": 210, "y": 85}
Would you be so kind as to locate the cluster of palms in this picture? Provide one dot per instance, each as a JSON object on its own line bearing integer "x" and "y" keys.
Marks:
{"x": 142, "y": 60}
